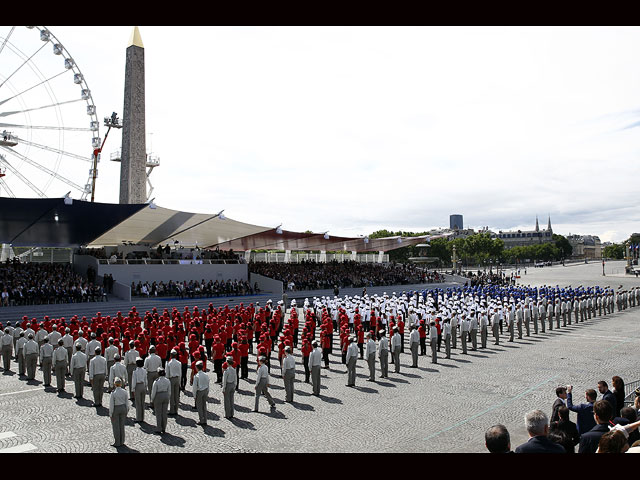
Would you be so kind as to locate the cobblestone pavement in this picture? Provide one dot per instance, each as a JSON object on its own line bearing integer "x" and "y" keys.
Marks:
{"x": 443, "y": 407}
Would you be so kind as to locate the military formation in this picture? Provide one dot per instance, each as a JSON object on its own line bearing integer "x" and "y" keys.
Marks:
{"x": 135, "y": 356}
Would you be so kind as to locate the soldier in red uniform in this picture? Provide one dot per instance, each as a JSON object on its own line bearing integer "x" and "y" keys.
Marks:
{"x": 244, "y": 357}
{"x": 306, "y": 351}
{"x": 360, "y": 333}
{"x": 423, "y": 338}
{"x": 218, "y": 357}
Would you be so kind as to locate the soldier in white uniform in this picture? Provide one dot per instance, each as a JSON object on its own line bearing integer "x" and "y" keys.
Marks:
{"x": 229, "y": 381}
{"x": 160, "y": 393}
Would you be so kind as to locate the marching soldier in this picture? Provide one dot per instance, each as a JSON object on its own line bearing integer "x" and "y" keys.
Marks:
{"x": 60, "y": 365}
{"x": 110, "y": 353}
{"x": 315, "y": 362}
{"x": 446, "y": 331}
{"x": 289, "y": 373}
{"x": 7, "y": 348}
{"x": 351, "y": 358}
{"x": 558, "y": 313}
{"x": 519, "y": 320}
{"x": 484, "y": 326}
{"x": 30, "y": 352}
{"x": 495, "y": 324}
{"x": 151, "y": 364}
{"x": 433, "y": 342}
{"x": 395, "y": 348}
{"x": 160, "y": 393}
{"x": 464, "y": 333}
{"x": 371, "y": 357}
{"x": 414, "y": 342}
{"x": 473, "y": 330}
{"x": 542, "y": 314}
{"x": 174, "y": 371}
{"x": 229, "y": 382}
{"x": 46, "y": 359}
{"x": 97, "y": 375}
{"x": 383, "y": 354}
{"x": 118, "y": 409}
{"x": 130, "y": 363}
{"x": 262, "y": 384}
{"x": 77, "y": 368}
{"x": 68, "y": 344}
{"x": 527, "y": 320}
{"x": 117, "y": 370}
{"x": 19, "y": 353}
{"x": 139, "y": 385}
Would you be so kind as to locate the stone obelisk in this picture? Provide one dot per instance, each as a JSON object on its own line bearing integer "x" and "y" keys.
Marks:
{"x": 133, "y": 176}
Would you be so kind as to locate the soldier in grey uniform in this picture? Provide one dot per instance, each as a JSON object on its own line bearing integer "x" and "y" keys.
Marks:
{"x": 19, "y": 353}
{"x": 534, "y": 316}
{"x": 160, "y": 393}
{"x": 395, "y": 348}
{"x": 60, "y": 365}
{"x": 351, "y": 358}
{"x": 130, "y": 363}
{"x": 370, "y": 353}
{"x": 383, "y": 354}
{"x": 97, "y": 376}
{"x": 484, "y": 329}
{"x": 473, "y": 330}
{"x": 315, "y": 362}
{"x": 576, "y": 308}
{"x": 558, "y": 313}
{"x": 495, "y": 326}
{"x": 46, "y": 359}
{"x": 110, "y": 352}
{"x": 289, "y": 373}
{"x": 118, "y": 409}
{"x": 262, "y": 384}
{"x": 454, "y": 330}
{"x": 68, "y": 344}
{"x": 139, "y": 382}
{"x": 433, "y": 341}
{"x": 117, "y": 370}
{"x": 519, "y": 320}
{"x": 527, "y": 320}
{"x": 229, "y": 381}
{"x": 151, "y": 364}
{"x": 30, "y": 351}
{"x": 464, "y": 332}
{"x": 414, "y": 342}
{"x": 565, "y": 310}
{"x": 446, "y": 332}
{"x": 174, "y": 372}
{"x": 550, "y": 312}
{"x": 91, "y": 348}
{"x": 542, "y": 314}
{"x": 78, "y": 368}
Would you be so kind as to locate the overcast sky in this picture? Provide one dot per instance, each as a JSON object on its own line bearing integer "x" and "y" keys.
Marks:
{"x": 354, "y": 129}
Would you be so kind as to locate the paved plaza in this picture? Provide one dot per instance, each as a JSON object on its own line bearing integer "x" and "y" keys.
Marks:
{"x": 443, "y": 407}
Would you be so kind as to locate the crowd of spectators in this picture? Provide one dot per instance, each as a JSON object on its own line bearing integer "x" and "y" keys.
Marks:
{"x": 166, "y": 253}
{"x": 193, "y": 289}
{"x": 44, "y": 283}
{"x": 310, "y": 275}
{"x": 488, "y": 278}
{"x": 602, "y": 426}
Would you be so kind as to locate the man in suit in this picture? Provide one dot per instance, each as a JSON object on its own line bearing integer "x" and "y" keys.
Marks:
{"x": 497, "y": 439}
{"x": 585, "y": 410}
{"x": 561, "y": 394}
{"x": 537, "y": 425}
{"x": 602, "y": 413}
{"x": 607, "y": 394}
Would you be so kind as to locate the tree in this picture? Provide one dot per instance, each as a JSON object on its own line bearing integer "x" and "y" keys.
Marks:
{"x": 615, "y": 251}
{"x": 563, "y": 245}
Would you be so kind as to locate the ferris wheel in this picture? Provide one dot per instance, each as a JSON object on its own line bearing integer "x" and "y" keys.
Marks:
{"x": 48, "y": 123}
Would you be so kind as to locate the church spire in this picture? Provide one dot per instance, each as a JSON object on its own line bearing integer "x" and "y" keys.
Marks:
{"x": 537, "y": 225}
{"x": 549, "y": 224}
